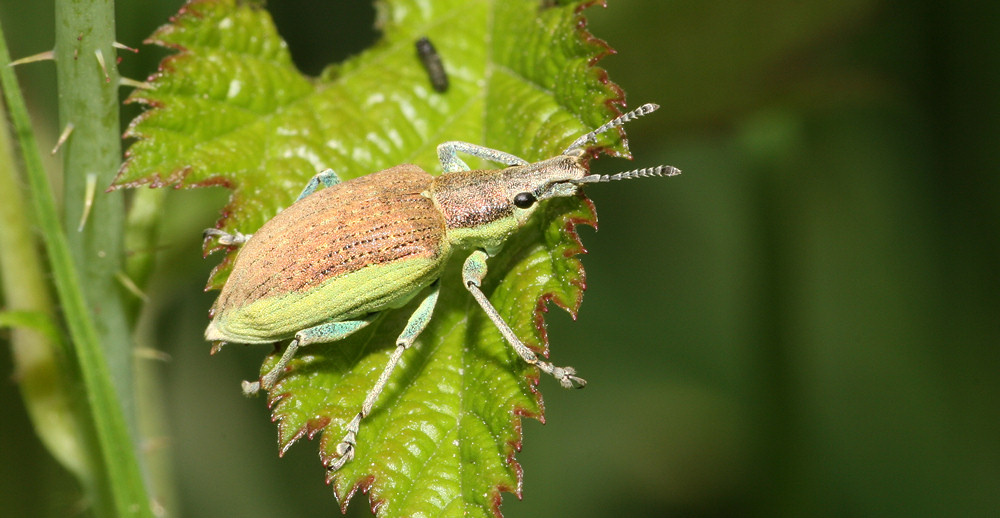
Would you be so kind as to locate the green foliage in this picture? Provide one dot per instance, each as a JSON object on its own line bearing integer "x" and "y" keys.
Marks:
{"x": 230, "y": 108}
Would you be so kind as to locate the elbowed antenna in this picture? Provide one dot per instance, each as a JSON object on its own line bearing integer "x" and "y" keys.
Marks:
{"x": 645, "y": 172}
{"x": 613, "y": 123}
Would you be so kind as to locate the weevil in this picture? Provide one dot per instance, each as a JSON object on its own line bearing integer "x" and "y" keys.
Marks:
{"x": 324, "y": 267}
{"x": 431, "y": 60}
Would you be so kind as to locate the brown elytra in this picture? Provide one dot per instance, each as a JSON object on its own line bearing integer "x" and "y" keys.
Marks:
{"x": 308, "y": 243}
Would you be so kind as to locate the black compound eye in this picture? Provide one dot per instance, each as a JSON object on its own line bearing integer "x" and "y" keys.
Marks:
{"x": 524, "y": 200}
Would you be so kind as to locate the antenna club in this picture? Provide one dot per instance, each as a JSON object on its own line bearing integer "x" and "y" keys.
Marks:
{"x": 645, "y": 172}
{"x": 647, "y": 109}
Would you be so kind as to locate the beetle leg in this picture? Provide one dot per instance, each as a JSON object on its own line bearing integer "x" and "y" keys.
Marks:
{"x": 472, "y": 274}
{"x": 225, "y": 238}
{"x": 326, "y": 177}
{"x": 417, "y": 322}
{"x": 328, "y": 332}
{"x": 450, "y": 163}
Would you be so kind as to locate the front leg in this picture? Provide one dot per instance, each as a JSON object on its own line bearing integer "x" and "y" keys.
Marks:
{"x": 472, "y": 275}
{"x": 414, "y": 326}
{"x": 450, "y": 163}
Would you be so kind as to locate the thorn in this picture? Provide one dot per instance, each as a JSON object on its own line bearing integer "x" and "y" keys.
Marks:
{"x": 151, "y": 444}
{"x": 41, "y": 56}
{"x": 142, "y": 85}
{"x": 63, "y": 136}
{"x": 159, "y": 510}
{"x": 117, "y": 45}
{"x": 104, "y": 68}
{"x": 148, "y": 353}
{"x": 88, "y": 200}
{"x": 130, "y": 285}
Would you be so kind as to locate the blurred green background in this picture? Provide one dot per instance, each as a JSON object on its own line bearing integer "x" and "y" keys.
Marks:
{"x": 805, "y": 323}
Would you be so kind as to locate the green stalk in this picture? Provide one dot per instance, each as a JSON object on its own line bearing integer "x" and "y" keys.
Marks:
{"x": 41, "y": 357}
{"x": 88, "y": 99}
{"x": 122, "y": 482}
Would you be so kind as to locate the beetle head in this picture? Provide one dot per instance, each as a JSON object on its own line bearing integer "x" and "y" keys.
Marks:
{"x": 496, "y": 201}
{"x": 529, "y": 185}
{"x": 563, "y": 175}
{"x": 484, "y": 206}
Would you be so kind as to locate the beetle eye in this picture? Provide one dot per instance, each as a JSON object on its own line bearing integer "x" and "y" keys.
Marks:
{"x": 524, "y": 200}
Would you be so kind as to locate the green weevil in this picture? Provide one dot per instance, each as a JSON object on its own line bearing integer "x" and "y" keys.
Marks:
{"x": 324, "y": 267}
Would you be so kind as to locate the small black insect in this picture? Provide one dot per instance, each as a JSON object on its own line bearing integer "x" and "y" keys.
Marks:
{"x": 432, "y": 63}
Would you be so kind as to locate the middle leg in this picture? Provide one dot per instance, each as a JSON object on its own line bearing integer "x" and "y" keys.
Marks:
{"x": 417, "y": 322}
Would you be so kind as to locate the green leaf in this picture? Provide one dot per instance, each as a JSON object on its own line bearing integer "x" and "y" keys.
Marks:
{"x": 230, "y": 109}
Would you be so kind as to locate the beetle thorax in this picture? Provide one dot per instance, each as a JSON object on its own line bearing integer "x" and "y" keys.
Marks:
{"x": 479, "y": 206}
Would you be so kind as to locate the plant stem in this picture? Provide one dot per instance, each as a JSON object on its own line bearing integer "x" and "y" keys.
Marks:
{"x": 42, "y": 368}
{"x": 121, "y": 490}
{"x": 88, "y": 99}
